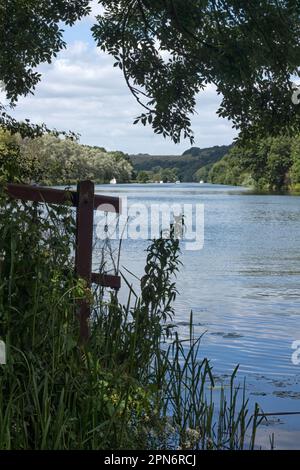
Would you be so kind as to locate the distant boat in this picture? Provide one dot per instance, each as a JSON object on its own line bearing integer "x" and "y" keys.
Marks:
{"x": 161, "y": 182}
{"x": 177, "y": 182}
{"x": 201, "y": 182}
{"x": 113, "y": 181}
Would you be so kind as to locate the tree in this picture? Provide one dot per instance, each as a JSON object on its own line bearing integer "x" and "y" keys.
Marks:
{"x": 13, "y": 165}
{"x": 295, "y": 169}
{"x": 64, "y": 161}
{"x": 30, "y": 33}
{"x": 271, "y": 163}
{"x": 169, "y": 50}
{"x": 169, "y": 175}
{"x": 143, "y": 176}
{"x": 279, "y": 163}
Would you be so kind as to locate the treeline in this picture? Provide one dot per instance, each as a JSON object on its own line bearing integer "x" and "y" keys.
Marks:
{"x": 176, "y": 167}
{"x": 54, "y": 161}
{"x": 269, "y": 164}
{"x": 167, "y": 175}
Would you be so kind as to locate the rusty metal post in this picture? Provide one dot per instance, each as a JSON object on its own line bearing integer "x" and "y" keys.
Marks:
{"x": 84, "y": 248}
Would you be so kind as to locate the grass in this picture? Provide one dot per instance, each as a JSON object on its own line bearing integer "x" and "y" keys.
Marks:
{"x": 135, "y": 385}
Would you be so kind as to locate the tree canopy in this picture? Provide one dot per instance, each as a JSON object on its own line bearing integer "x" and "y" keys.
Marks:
{"x": 268, "y": 164}
{"x": 50, "y": 160}
{"x": 184, "y": 167}
{"x": 31, "y": 33}
{"x": 169, "y": 50}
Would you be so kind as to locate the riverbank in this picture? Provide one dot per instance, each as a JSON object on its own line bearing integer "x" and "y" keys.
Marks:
{"x": 267, "y": 164}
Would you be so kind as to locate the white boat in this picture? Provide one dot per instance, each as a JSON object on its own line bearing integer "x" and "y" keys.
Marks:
{"x": 113, "y": 181}
{"x": 177, "y": 182}
{"x": 161, "y": 182}
{"x": 201, "y": 182}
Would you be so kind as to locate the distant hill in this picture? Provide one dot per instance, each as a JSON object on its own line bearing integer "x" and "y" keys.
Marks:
{"x": 194, "y": 151}
{"x": 186, "y": 164}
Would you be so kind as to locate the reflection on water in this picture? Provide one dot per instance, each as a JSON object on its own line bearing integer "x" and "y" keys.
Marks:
{"x": 243, "y": 286}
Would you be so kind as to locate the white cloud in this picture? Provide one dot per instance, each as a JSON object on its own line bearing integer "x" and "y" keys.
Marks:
{"x": 83, "y": 92}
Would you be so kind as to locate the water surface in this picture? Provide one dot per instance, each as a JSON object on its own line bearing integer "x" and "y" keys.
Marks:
{"x": 243, "y": 288}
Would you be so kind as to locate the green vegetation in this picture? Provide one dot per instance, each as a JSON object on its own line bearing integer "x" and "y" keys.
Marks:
{"x": 134, "y": 385}
{"x": 269, "y": 164}
{"x": 176, "y": 167}
{"x": 167, "y": 175}
{"x": 170, "y": 50}
{"x": 31, "y": 33}
{"x": 247, "y": 50}
{"x": 52, "y": 160}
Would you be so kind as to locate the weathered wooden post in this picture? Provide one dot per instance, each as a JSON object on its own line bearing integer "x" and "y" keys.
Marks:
{"x": 85, "y": 202}
{"x": 84, "y": 248}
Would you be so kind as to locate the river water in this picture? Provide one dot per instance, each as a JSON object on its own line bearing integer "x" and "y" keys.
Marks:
{"x": 243, "y": 287}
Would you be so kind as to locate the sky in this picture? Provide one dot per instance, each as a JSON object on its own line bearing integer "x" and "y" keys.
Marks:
{"x": 82, "y": 91}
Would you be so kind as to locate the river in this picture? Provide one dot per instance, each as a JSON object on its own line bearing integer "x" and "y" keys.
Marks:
{"x": 243, "y": 287}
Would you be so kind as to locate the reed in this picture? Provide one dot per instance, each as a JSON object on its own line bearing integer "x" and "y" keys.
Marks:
{"x": 135, "y": 385}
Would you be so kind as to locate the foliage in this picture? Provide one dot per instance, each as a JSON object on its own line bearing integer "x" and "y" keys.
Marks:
{"x": 295, "y": 168}
{"x": 170, "y": 50}
{"x": 125, "y": 388}
{"x": 31, "y": 30}
{"x": 270, "y": 163}
{"x": 228, "y": 170}
{"x": 278, "y": 163}
{"x": 30, "y": 33}
{"x": 13, "y": 166}
{"x": 203, "y": 172}
{"x": 183, "y": 167}
{"x": 51, "y": 160}
{"x": 167, "y": 175}
{"x": 53, "y": 394}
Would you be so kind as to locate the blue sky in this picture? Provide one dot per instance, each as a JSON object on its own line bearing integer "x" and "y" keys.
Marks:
{"x": 82, "y": 91}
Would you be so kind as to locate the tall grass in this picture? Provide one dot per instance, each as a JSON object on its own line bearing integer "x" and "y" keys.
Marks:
{"x": 135, "y": 385}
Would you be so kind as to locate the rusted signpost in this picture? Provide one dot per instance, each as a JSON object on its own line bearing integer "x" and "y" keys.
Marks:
{"x": 85, "y": 200}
